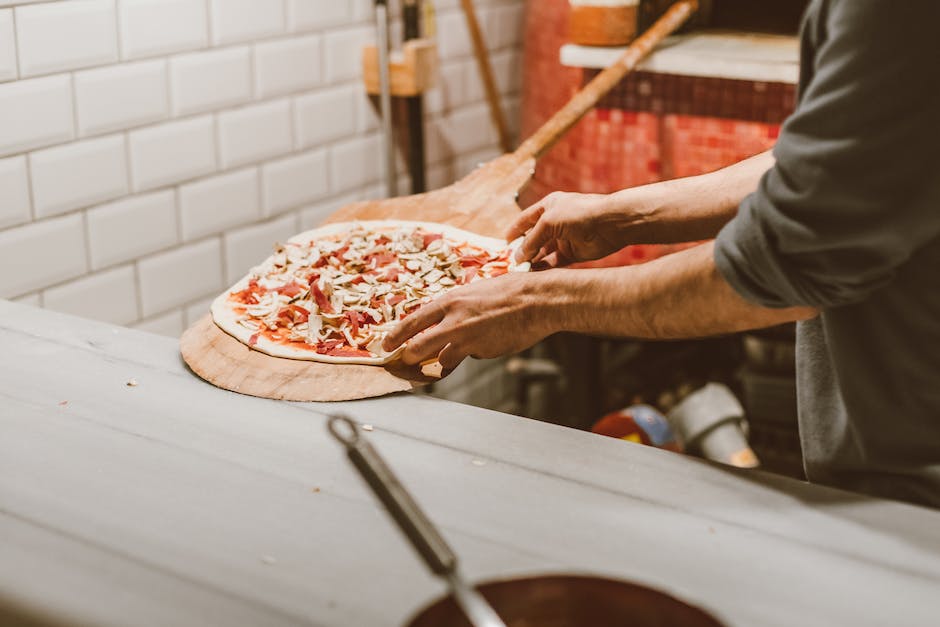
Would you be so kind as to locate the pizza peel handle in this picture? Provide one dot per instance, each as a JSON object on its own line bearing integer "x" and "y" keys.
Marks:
{"x": 410, "y": 518}
{"x": 485, "y": 201}
{"x": 582, "y": 102}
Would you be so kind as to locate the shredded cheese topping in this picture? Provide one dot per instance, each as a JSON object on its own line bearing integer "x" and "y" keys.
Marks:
{"x": 341, "y": 295}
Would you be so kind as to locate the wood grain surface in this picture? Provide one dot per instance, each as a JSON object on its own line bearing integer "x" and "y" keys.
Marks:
{"x": 483, "y": 202}
{"x": 225, "y": 362}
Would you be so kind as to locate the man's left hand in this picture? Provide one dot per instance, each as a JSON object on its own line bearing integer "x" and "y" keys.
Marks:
{"x": 485, "y": 319}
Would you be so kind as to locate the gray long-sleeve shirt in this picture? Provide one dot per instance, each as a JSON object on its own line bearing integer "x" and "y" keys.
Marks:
{"x": 848, "y": 221}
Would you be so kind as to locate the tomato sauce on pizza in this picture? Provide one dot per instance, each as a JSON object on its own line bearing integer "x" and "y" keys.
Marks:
{"x": 339, "y": 293}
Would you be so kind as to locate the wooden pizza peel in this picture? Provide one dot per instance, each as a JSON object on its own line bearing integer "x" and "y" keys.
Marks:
{"x": 483, "y": 202}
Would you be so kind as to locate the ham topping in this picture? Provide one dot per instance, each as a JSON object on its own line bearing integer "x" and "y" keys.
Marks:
{"x": 340, "y": 296}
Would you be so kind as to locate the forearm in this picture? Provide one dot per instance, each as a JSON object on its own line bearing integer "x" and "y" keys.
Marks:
{"x": 679, "y": 296}
{"x": 692, "y": 208}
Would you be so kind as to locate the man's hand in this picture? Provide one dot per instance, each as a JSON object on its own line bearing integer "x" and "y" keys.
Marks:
{"x": 676, "y": 297}
{"x": 485, "y": 319}
{"x": 566, "y": 228}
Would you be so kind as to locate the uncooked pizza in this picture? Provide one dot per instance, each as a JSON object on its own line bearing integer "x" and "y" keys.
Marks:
{"x": 332, "y": 294}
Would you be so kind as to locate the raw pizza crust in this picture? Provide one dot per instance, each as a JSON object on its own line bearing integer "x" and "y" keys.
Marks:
{"x": 226, "y": 318}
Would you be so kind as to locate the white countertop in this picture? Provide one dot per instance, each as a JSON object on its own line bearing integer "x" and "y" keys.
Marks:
{"x": 715, "y": 54}
{"x": 176, "y": 503}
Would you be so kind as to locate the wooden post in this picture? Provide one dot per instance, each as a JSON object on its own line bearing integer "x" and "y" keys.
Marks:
{"x": 486, "y": 73}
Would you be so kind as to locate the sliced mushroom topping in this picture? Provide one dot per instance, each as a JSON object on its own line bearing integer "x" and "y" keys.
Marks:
{"x": 355, "y": 288}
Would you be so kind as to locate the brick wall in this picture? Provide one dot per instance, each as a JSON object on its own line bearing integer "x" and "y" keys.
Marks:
{"x": 151, "y": 151}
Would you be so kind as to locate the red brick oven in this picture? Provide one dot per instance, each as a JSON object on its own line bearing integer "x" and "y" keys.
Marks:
{"x": 654, "y": 126}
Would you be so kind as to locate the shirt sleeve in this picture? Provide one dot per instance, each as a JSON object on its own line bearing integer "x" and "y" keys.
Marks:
{"x": 854, "y": 192}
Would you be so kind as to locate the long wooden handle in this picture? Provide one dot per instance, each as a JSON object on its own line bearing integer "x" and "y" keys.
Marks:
{"x": 486, "y": 73}
{"x": 582, "y": 102}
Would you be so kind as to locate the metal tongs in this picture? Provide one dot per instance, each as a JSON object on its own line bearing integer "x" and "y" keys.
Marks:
{"x": 422, "y": 533}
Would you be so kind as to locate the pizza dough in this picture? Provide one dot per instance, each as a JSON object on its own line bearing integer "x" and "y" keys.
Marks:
{"x": 331, "y": 294}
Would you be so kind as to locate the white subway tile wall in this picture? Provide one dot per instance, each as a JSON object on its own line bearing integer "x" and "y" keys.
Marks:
{"x": 152, "y": 151}
{"x": 116, "y": 97}
{"x": 7, "y": 46}
{"x": 203, "y": 81}
{"x": 131, "y": 228}
{"x": 343, "y": 59}
{"x": 55, "y": 249}
{"x": 34, "y": 113}
{"x": 255, "y": 133}
{"x": 355, "y": 162}
{"x": 170, "y": 153}
{"x": 14, "y": 192}
{"x": 172, "y": 279}
{"x": 287, "y": 65}
{"x": 243, "y": 20}
{"x": 294, "y": 181}
{"x": 304, "y": 15}
{"x": 210, "y": 206}
{"x": 158, "y": 27}
{"x": 170, "y": 323}
{"x": 60, "y": 36}
{"x": 110, "y": 296}
{"x": 77, "y": 175}
{"x": 325, "y": 115}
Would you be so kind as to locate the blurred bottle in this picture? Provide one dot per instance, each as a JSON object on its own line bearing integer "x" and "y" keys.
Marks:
{"x": 641, "y": 424}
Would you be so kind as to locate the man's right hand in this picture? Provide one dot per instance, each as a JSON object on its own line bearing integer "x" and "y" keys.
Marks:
{"x": 565, "y": 228}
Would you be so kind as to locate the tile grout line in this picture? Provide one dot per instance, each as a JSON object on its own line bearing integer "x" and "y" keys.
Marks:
{"x": 178, "y": 212}
{"x": 217, "y": 143}
{"x": 16, "y": 44}
{"x": 223, "y": 252}
{"x": 261, "y": 187}
{"x": 118, "y": 44}
{"x": 168, "y": 85}
{"x": 76, "y": 129}
{"x": 207, "y": 4}
{"x": 28, "y": 159}
{"x": 253, "y": 72}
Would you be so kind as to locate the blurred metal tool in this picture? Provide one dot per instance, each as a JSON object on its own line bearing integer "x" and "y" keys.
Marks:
{"x": 422, "y": 533}
{"x": 385, "y": 96}
{"x": 411, "y": 18}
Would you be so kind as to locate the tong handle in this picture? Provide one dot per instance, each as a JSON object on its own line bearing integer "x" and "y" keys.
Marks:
{"x": 415, "y": 524}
